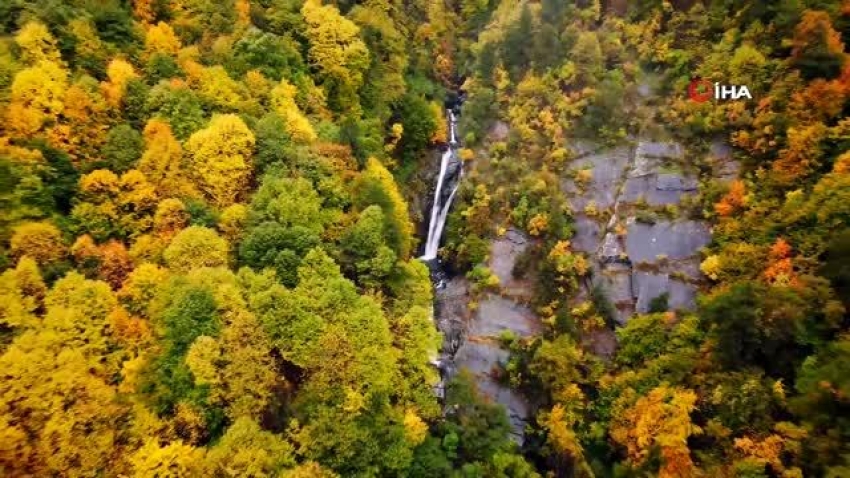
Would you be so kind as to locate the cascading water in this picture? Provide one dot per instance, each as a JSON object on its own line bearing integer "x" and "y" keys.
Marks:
{"x": 451, "y": 170}
{"x": 448, "y": 182}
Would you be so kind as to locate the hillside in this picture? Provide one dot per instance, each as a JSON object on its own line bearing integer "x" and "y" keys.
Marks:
{"x": 213, "y": 218}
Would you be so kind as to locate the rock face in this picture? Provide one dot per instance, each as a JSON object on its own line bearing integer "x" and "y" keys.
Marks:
{"x": 480, "y": 351}
{"x": 644, "y": 245}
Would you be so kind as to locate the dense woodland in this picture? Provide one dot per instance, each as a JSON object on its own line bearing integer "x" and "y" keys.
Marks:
{"x": 209, "y": 259}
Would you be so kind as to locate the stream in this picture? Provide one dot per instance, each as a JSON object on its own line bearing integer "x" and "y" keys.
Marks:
{"x": 471, "y": 334}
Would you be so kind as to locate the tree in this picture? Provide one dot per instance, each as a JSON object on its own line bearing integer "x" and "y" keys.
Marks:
{"x": 273, "y": 56}
{"x": 59, "y": 408}
{"x": 823, "y": 388}
{"x": 160, "y": 39}
{"x": 113, "y": 206}
{"x": 36, "y": 98}
{"x": 296, "y": 124}
{"x": 119, "y": 73}
{"x": 274, "y": 245}
{"x": 22, "y": 291}
{"x": 364, "y": 245}
{"x": 248, "y": 450}
{"x": 175, "y": 459}
{"x": 660, "y": 419}
{"x": 37, "y": 44}
{"x": 289, "y": 202}
{"x": 196, "y": 247}
{"x": 141, "y": 287}
{"x": 384, "y": 80}
{"x": 752, "y": 323}
{"x": 418, "y": 126}
{"x": 178, "y": 105}
{"x": 377, "y": 186}
{"x": 336, "y": 52}
{"x": 80, "y": 129}
{"x": 817, "y": 49}
{"x": 41, "y": 241}
{"x": 163, "y": 161}
{"x": 221, "y": 159}
{"x": 563, "y": 442}
{"x": 232, "y": 222}
{"x": 123, "y": 147}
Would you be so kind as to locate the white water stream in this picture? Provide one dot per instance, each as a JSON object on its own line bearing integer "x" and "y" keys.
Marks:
{"x": 440, "y": 208}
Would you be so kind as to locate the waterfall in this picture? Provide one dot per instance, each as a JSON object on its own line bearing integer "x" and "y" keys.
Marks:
{"x": 451, "y": 170}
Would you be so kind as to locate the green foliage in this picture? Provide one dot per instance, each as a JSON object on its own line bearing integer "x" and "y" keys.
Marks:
{"x": 289, "y": 202}
{"x": 123, "y": 147}
{"x": 273, "y": 245}
{"x": 180, "y": 107}
{"x": 419, "y": 126}
{"x": 274, "y": 56}
{"x": 756, "y": 325}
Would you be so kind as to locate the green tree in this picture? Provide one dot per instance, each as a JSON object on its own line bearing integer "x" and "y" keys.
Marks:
{"x": 123, "y": 147}
{"x": 377, "y": 186}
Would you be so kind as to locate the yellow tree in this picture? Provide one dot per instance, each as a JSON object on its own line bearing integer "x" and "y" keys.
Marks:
{"x": 119, "y": 72}
{"x": 37, "y": 97}
{"x": 173, "y": 460}
{"x": 81, "y": 128}
{"x": 196, "y": 247}
{"x": 141, "y": 287}
{"x": 161, "y": 39}
{"x": 660, "y": 420}
{"x": 88, "y": 48}
{"x": 162, "y": 161}
{"x": 221, "y": 159}
{"x": 41, "y": 241}
{"x": 237, "y": 367}
{"x": 143, "y": 10}
{"x": 562, "y": 441}
{"x": 22, "y": 293}
{"x": 37, "y": 44}
{"x": 283, "y": 102}
{"x": 336, "y": 51}
{"x": 55, "y": 388}
{"x": 57, "y": 409}
{"x": 248, "y": 450}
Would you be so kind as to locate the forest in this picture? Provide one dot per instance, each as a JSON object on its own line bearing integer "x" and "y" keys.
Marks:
{"x": 210, "y": 220}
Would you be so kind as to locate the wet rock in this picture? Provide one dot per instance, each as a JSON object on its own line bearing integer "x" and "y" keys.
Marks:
{"x": 688, "y": 269}
{"x": 581, "y": 148}
{"x": 480, "y": 357}
{"x": 659, "y": 150}
{"x": 651, "y": 156}
{"x": 647, "y": 286}
{"x": 587, "y": 234}
{"x": 617, "y": 283}
{"x": 607, "y": 169}
{"x": 675, "y": 182}
{"x": 611, "y": 248}
{"x": 665, "y": 239}
{"x": 683, "y": 296}
{"x": 497, "y": 314}
{"x": 504, "y": 253}
{"x": 658, "y": 189}
{"x": 602, "y": 342}
{"x": 452, "y": 313}
{"x": 637, "y": 188}
{"x": 724, "y": 166}
{"x": 644, "y": 90}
